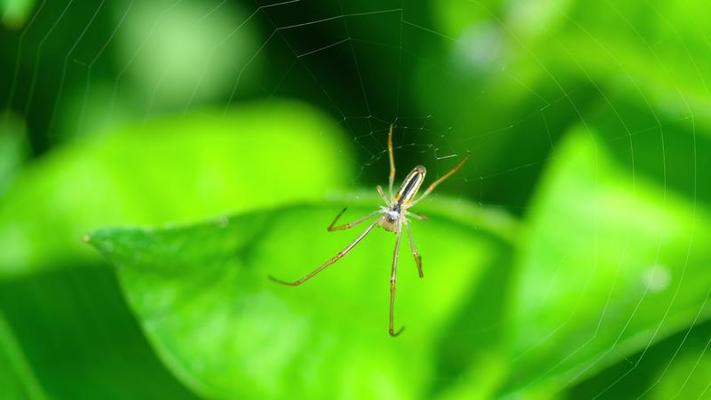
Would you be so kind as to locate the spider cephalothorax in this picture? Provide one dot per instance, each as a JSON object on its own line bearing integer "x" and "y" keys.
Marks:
{"x": 395, "y": 212}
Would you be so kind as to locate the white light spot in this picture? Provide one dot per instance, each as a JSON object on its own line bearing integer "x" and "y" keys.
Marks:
{"x": 656, "y": 278}
{"x": 480, "y": 46}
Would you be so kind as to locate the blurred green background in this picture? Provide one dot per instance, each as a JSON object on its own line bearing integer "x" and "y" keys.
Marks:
{"x": 158, "y": 159}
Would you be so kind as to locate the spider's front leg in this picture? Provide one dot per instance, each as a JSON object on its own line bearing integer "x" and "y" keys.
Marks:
{"x": 391, "y": 157}
{"x": 329, "y": 262}
{"x": 349, "y": 225}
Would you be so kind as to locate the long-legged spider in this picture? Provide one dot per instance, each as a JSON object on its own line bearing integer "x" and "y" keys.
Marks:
{"x": 392, "y": 217}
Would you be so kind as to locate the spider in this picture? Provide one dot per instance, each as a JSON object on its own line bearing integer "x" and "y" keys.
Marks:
{"x": 392, "y": 217}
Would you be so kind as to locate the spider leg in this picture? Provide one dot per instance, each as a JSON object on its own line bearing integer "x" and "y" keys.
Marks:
{"x": 329, "y": 262}
{"x": 393, "y": 281}
{"x": 418, "y": 217}
{"x": 382, "y": 194}
{"x": 434, "y": 184}
{"x": 334, "y": 227}
{"x": 415, "y": 253}
{"x": 391, "y": 177}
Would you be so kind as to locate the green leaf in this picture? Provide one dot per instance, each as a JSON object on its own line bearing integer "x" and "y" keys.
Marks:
{"x": 227, "y": 331}
{"x": 610, "y": 264}
{"x": 686, "y": 374}
{"x": 80, "y": 339}
{"x": 171, "y": 170}
{"x": 676, "y": 367}
{"x": 16, "y": 378}
{"x": 14, "y": 148}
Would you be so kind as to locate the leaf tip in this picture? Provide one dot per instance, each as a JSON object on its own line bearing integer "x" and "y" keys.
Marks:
{"x": 96, "y": 239}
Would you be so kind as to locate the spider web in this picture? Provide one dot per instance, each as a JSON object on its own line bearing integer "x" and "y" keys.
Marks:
{"x": 369, "y": 64}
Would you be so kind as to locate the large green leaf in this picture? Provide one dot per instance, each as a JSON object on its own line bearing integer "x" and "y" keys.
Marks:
{"x": 177, "y": 169}
{"x": 16, "y": 378}
{"x": 227, "y": 331}
{"x": 610, "y": 264}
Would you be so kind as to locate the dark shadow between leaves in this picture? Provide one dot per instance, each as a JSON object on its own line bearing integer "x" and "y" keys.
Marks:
{"x": 81, "y": 339}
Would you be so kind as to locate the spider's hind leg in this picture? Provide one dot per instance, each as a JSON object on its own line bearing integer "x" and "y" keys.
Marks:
{"x": 415, "y": 253}
{"x": 393, "y": 284}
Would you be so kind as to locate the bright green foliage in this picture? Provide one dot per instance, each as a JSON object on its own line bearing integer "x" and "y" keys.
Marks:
{"x": 588, "y": 120}
{"x": 610, "y": 264}
{"x": 227, "y": 331}
{"x": 219, "y": 163}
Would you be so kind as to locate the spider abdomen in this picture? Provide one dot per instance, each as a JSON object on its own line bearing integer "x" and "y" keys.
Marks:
{"x": 410, "y": 185}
